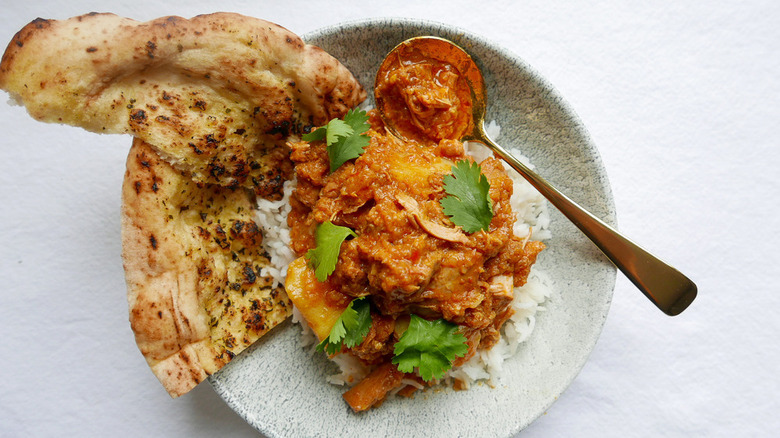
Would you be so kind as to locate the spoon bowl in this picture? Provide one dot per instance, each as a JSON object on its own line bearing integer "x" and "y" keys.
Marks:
{"x": 666, "y": 287}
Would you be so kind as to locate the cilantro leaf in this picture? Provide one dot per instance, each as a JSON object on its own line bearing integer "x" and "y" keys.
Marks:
{"x": 329, "y": 238}
{"x": 345, "y": 139}
{"x": 431, "y": 346}
{"x": 346, "y": 149}
{"x": 357, "y": 120}
{"x": 336, "y": 130}
{"x": 352, "y": 145}
{"x": 468, "y": 205}
{"x": 331, "y": 132}
{"x": 351, "y": 327}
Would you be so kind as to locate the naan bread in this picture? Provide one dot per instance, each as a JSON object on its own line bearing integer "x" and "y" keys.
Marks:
{"x": 217, "y": 95}
{"x": 193, "y": 255}
{"x": 211, "y": 102}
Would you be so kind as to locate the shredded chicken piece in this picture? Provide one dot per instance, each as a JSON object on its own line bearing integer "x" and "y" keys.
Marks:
{"x": 372, "y": 390}
{"x": 431, "y": 227}
{"x": 502, "y": 285}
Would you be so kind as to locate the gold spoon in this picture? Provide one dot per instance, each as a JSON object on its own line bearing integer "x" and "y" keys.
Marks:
{"x": 666, "y": 287}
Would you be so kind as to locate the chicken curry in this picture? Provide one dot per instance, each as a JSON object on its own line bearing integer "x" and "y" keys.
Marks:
{"x": 402, "y": 255}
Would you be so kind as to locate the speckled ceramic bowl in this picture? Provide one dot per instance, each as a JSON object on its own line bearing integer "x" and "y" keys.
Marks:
{"x": 280, "y": 388}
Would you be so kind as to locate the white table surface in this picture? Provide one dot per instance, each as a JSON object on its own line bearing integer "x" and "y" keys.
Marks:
{"x": 682, "y": 99}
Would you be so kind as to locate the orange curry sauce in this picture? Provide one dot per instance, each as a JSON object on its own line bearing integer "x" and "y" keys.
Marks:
{"x": 427, "y": 99}
{"x": 408, "y": 257}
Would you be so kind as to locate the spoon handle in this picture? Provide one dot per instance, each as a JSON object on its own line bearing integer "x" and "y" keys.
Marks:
{"x": 665, "y": 286}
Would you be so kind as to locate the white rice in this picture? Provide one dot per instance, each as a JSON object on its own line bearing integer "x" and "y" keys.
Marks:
{"x": 532, "y": 217}
{"x": 272, "y": 217}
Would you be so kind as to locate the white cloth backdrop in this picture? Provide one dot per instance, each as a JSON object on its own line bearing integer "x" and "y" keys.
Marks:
{"x": 682, "y": 99}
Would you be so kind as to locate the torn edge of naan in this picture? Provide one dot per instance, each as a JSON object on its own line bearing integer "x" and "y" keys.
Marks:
{"x": 193, "y": 255}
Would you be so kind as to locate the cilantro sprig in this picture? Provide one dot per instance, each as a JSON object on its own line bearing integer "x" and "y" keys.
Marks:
{"x": 429, "y": 346}
{"x": 345, "y": 139}
{"x": 324, "y": 256}
{"x": 351, "y": 327}
{"x": 468, "y": 205}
